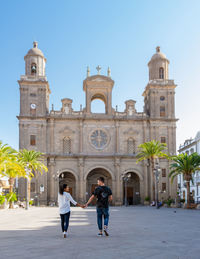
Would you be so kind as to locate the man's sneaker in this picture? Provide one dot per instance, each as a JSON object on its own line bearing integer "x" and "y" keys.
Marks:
{"x": 64, "y": 235}
{"x": 100, "y": 234}
{"x": 106, "y": 232}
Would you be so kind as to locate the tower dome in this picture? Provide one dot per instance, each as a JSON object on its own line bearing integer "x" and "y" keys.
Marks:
{"x": 158, "y": 66}
{"x": 35, "y": 51}
{"x": 35, "y": 61}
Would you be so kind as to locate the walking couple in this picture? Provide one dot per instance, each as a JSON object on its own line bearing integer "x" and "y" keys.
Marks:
{"x": 102, "y": 193}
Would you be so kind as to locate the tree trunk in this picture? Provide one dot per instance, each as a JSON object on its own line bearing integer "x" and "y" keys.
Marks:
{"x": 153, "y": 178}
{"x": 29, "y": 189}
{"x": 188, "y": 194}
{"x": 11, "y": 183}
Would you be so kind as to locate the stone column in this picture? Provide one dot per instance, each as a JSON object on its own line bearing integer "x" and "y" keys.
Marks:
{"x": 81, "y": 137}
{"x": 117, "y": 137}
{"x": 109, "y": 103}
{"x": 50, "y": 181}
{"x": 119, "y": 198}
{"x": 88, "y": 102}
{"x": 51, "y": 135}
{"x": 81, "y": 195}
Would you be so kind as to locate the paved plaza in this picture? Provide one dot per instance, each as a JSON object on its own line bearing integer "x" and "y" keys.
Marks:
{"x": 135, "y": 232}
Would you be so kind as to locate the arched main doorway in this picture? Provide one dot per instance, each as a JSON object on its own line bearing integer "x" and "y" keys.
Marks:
{"x": 69, "y": 179}
{"x": 131, "y": 189}
{"x": 92, "y": 180}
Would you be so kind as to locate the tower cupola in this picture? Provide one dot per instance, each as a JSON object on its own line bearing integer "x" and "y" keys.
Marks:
{"x": 158, "y": 66}
{"x": 35, "y": 62}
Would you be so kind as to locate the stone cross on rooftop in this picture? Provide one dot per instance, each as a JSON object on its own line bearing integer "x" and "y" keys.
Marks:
{"x": 98, "y": 68}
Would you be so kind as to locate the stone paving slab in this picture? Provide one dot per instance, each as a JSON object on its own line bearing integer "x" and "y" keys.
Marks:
{"x": 135, "y": 232}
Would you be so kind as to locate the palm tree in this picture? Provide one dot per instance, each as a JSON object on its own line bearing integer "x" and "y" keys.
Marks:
{"x": 6, "y": 154}
{"x": 32, "y": 162}
{"x": 10, "y": 167}
{"x": 186, "y": 165}
{"x": 13, "y": 169}
{"x": 151, "y": 151}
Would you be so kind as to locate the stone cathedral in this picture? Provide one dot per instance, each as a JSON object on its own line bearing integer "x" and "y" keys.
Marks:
{"x": 80, "y": 146}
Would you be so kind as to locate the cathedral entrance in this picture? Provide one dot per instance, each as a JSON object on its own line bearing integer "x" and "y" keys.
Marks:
{"x": 92, "y": 181}
{"x": 69, "y": 179}
{"x": 131, "y": 189}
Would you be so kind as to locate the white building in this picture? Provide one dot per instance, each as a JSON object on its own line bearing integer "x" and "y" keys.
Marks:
{"x": 190, "y": 146}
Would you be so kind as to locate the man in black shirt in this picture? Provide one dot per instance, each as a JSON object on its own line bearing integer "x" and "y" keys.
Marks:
{"x": 104, "y": 196}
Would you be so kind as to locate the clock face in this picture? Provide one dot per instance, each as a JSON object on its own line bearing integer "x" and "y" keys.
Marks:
{"x": 33, "y": 106}
{"x": 99, "y": 139}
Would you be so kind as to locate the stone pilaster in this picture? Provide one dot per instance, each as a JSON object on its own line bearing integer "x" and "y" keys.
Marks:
{"x": 119, "y": 195}
{"x": 50, "y": 181}
{"x": 81, "y": 195}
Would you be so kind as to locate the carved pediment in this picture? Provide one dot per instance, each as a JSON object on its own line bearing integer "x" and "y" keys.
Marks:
{"x": 131, "y": 132}
{"x": 67, "y": 131}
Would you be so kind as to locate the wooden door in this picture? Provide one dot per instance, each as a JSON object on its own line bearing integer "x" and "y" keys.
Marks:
{"x": 130, "y": 195}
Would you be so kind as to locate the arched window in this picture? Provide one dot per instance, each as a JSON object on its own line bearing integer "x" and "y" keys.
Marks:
{"x": 98, "y": 106}
{"x": 33, "y": 69}
{"x": 161, "y": 73}
{"x": 162, "y": 111}
{"x": 131, "y": 147}
{"x": 33, "y": 112}
{"x": 66, "y": 145}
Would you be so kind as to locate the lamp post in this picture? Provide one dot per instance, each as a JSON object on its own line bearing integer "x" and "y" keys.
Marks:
{"x": 126, "y": 178}
{"x": 156, "y": 173}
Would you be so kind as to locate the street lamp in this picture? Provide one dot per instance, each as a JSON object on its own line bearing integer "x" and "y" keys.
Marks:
{"x": 156, "y": 173}
{"x": 126, "y": 178}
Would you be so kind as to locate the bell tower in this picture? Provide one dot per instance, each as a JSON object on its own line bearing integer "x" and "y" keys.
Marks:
{"x": 34, "y": 87}
{"x": 159, "y": 93}
{"x": 98, "y": 87}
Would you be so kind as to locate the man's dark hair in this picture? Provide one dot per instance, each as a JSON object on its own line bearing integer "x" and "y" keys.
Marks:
{"x": 101, "y": 179}
{"x": 62, "y": 187}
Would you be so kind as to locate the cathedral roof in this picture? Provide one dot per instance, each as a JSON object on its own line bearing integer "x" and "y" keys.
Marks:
{"x": 35, "y": 51}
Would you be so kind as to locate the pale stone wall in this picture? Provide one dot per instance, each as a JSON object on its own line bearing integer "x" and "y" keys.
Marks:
{"x": 51, "y": 128}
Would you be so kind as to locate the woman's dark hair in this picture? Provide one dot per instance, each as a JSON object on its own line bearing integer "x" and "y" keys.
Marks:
{"x": 62, "y": 187}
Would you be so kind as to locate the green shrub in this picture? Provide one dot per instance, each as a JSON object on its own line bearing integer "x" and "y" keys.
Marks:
{"x": 169, "y": 201}
{"x": 147, "y": 198}
{"x": 2, "y": 199}
{"x": 31, "y": 202}
{"x": 11, "y": 197}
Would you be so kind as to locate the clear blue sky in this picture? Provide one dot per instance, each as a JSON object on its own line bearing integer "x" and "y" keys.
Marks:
{"x": 115, "y": 33}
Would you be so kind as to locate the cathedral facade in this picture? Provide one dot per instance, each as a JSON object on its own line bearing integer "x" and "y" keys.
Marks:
{"x": 80, "y": 146}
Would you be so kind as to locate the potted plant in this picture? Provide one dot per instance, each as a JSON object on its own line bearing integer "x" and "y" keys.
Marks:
{"x": 147, "y": 200}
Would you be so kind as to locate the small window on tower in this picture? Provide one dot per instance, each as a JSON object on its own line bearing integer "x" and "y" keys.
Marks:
{"x": 164, "y": 187}
{"x": 162, "y": 111}
{"x": 161, "y": 73}
{"x": 162, "y": 98}
{"x": 33, "y": 69}
{"x": 163, "y": 139}
{"x": 32, "y": 140}
{"x": 32, "y": 187}
{"x": 163, "y": 172}
{"x": 33, "y": 112}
